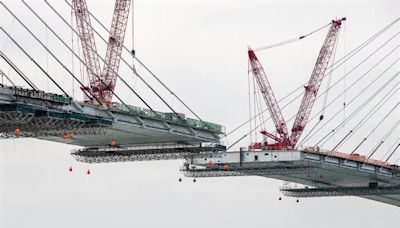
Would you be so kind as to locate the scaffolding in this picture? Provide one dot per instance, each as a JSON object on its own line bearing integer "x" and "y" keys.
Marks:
{"x": 222, "y": 171}
{"x": 143, "y": 153}
{"x": 34, "y": 121}
{"x": 340, "y": 191}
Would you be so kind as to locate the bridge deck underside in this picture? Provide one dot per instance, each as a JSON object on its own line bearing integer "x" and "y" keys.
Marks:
{"x": 307, "y": 172}
{"x": 125, "y": 134}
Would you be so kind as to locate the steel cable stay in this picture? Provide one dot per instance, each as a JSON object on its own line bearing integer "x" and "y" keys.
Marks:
{"x": 5, "y": 76}
{"x": 82, "y": 61}
{"x": 355, "y": 82}
{"x": 353, "y": 114}
{"x": 365, "y": 138}
{"x": 18, "y": 71}
{"x": 305, "y": 139}
{"x": 390, "y": 149}
{"x": 370, "y": 114}
{"x": 339, "y": 62}
{"x": 388, "y": 133}
{"x": 395, "y": 146}
{"x": 140, "y": 62}
{"x": 37, "y": 65}
{"x": 359, "y": 108}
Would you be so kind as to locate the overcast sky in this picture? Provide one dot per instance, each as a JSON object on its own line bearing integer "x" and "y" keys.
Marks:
{"x": 198, "y": 48}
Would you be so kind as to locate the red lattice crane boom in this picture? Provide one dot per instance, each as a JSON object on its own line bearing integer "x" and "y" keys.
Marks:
{"x": 313, "y": 85}
{"x": 269, "y": 98}
{"x": 87, "y": 40}
{"x": 283, "y": 140}
{"x": 102, "y": 83}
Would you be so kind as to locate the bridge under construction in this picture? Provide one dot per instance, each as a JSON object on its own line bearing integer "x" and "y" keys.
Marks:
{"x": 107, "y": 129}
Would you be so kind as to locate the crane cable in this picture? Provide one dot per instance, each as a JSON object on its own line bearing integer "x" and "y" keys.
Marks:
{"x": 289, "y": 40}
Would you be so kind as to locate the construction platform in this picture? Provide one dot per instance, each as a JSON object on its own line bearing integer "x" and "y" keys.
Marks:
{"x": 52, "y": 117}
{"x": 322, "y": 173}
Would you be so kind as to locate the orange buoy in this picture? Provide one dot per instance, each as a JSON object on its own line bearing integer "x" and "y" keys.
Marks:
{"x": 113, "y": 143}
{"x": 226, "y": 166}
{"x": 64, "y": 136}
{"x": 71, "y": 135}
{"x": 88, "y": 172}
{"x": 17, "y": 131}
{"x": 70, "y": 169}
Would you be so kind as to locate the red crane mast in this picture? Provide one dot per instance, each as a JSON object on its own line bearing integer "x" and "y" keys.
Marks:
{"x": 314, "y": 84}
{"x": 102, "y": 83}
{"x": 269, "y": 98}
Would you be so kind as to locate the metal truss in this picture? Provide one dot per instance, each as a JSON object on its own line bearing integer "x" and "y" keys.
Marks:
{"x": 31, "y": 126}
{"x": 110, "y": 154}
{"x": 340, "y": 191}
{"x": 241, "y": 171}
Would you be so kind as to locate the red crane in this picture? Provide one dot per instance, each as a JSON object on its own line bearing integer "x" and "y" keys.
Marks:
{"x": 102, "y": 83}
{"x": 283, "y": 140}
{"x": 270, "y": 100}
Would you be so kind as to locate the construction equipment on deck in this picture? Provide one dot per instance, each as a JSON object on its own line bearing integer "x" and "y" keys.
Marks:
{"x": 283, "y": 140}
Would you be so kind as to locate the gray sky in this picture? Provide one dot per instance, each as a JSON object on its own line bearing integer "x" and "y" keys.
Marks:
{"x": 199, "y": 49}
